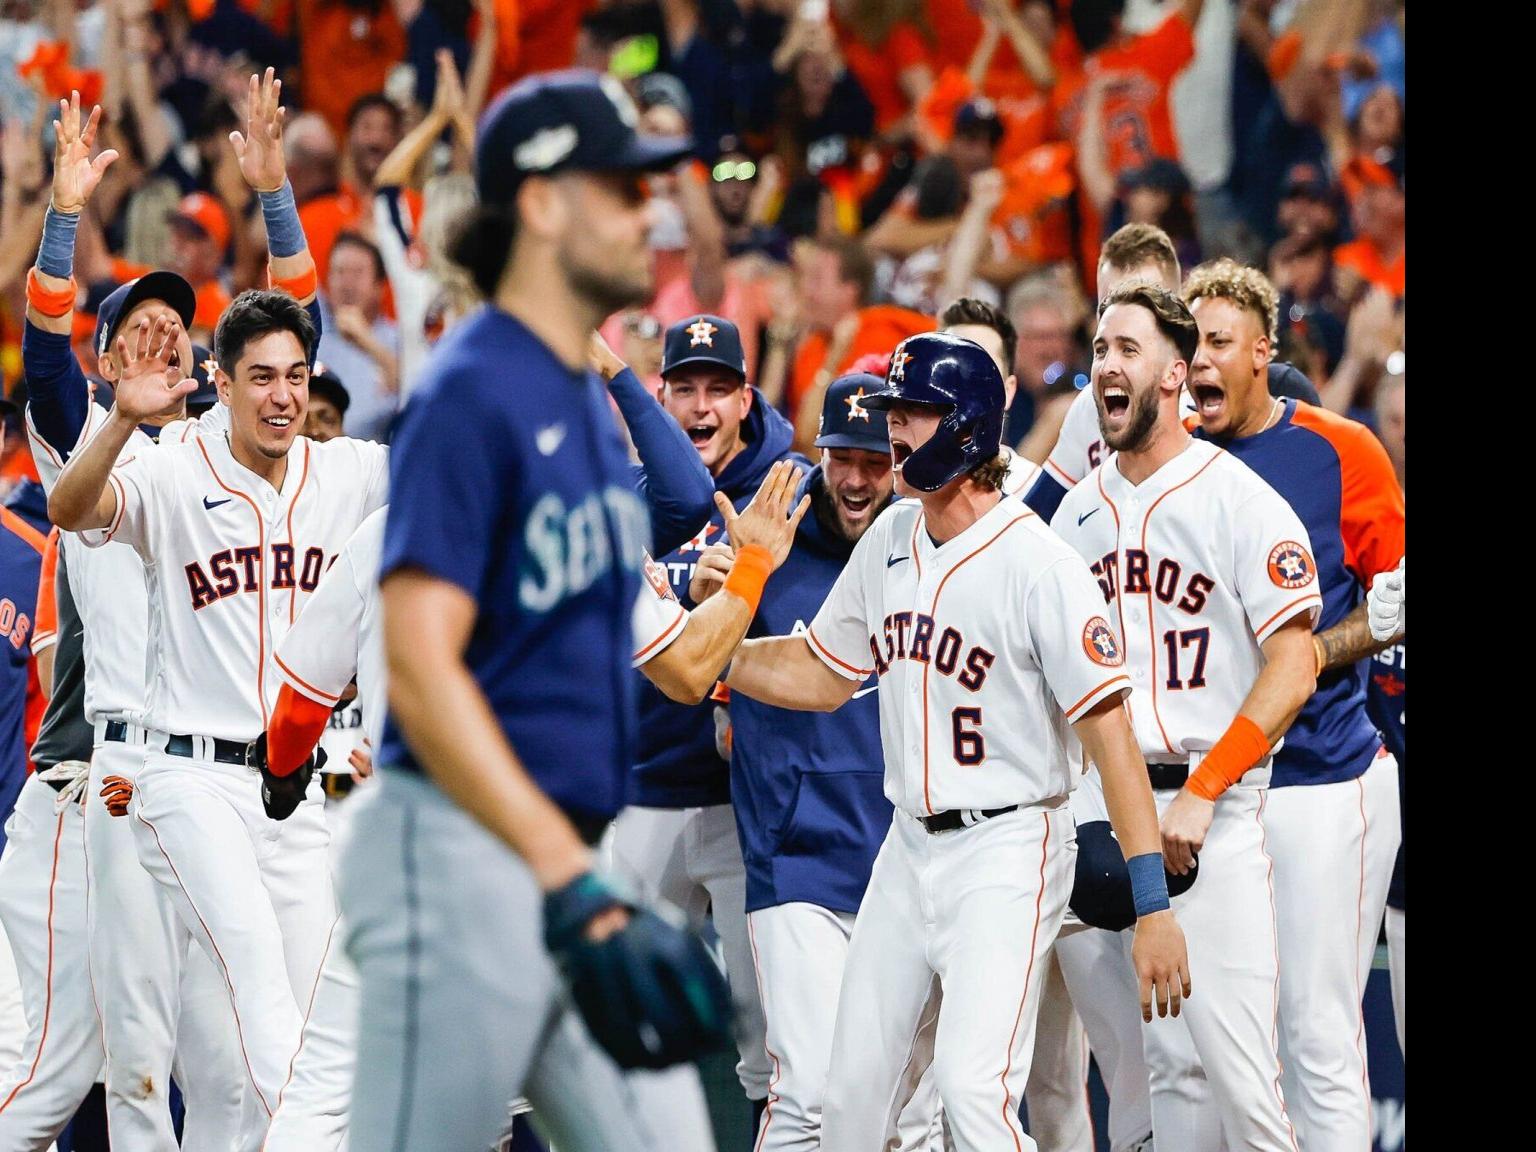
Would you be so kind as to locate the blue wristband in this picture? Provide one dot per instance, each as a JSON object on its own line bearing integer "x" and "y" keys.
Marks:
{"x": 285, "y": 235}
{"x": 56, "y": 254}
{"x": 1149, "y": 884}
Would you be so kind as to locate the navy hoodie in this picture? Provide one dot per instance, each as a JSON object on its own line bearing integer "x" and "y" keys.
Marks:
{"x": 808, "y": 787}
{"x": 678, "y": 766}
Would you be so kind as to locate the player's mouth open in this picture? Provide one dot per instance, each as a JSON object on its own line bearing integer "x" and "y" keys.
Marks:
{"x": 1210, "y": 399}
{"x": 855, "y": 506}
{"x": 701, "y": 434}
{"x": 899, "y": 453}
{"x": 1117, "y": 401}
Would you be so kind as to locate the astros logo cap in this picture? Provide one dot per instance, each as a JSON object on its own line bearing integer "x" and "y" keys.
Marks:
{"x": 703, "y": 339}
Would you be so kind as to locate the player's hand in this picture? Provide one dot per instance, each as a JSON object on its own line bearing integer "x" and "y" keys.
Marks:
{"x": 361, "y": 761}
{"x": 281, "y": 795}
{"x": 75, "y": 174}
{"x": 605, "y": 362}
{"x": 260, "y": 148}
{"x": 772, "y": 517}
{"x": 151, "y": 381}
{"x": 1185, "y": 823}
{"x": 448, "y": 95}
{"x": 1388, "y": 603}
{"x": 116, "y": 792}
{"x": 1162, "y": 964}
{"x": 710, "y": 572}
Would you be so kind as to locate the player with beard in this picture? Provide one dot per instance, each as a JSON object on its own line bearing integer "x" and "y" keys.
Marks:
{"x": 807, "y": 786}
{"x": 1333, "y": 818}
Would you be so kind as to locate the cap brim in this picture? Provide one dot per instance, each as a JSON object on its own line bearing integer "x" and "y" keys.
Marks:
{"x": 158, "y": 285}
{"x": 712, "y": 361}
{"x": 650, "y": 154}
{"x": 843, "y": 440}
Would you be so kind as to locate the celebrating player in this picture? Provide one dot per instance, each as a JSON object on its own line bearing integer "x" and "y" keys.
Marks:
{"x": 988, "y": 637}
{"x": 1211, "y": 577}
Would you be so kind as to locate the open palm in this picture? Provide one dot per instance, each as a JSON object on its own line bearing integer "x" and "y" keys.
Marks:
{"x": 147, "y": 384}
{"x": 260, "y": 148}
{"x": 75, "y": 174}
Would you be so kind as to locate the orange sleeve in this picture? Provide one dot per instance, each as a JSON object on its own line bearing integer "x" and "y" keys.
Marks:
{"x": 1372, "y": 516}
{"x": 1283, "y": 55}
{"x": 296, "y": 725}
{"x": 45, "y": 622}
{"x": 904, "y": 48}
{"x": 1166, "y": 49}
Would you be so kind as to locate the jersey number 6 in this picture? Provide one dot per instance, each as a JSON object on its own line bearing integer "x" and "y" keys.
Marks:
{"x": 970, "y": 748}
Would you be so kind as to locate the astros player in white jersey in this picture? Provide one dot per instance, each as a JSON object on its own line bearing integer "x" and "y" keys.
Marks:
{"x": 1387, "y": 605}
{"x": 235, "y": 533}
{"x": 989, "y": 640}
{"x": 988, "y": 325}
{"x": 1210, "y": 575}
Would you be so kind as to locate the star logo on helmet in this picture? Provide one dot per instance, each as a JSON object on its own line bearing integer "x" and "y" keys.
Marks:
{"x": 702, "y": 332}
{"x": 856, "y": 410}
{"x": 899, "y": 365}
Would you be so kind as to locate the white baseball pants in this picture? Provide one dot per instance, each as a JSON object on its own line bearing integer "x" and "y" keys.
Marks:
{"x": 977, "y": 911}
{"x": 1057, "y": 1091}
{"x": 1333, "y": 846}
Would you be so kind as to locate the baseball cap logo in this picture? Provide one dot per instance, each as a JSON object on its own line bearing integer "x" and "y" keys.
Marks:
{"x": 856, "y": 410}
{"x": 701, "y": 332}
{"x": 1100, "y": 644}
{"x": 621, "y": 101}
{"x": 545, "y": 148}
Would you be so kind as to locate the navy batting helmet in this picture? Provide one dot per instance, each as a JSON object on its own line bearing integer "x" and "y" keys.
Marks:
{"x": 1101, "y": 888}
{"x": 959, "y": 375}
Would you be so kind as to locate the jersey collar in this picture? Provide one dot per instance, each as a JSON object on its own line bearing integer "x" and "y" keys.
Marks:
{"x": 1175, "y": 472}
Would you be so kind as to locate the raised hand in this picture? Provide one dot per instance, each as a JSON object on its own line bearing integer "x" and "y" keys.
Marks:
{"x": 260, "y": 147}
{"x": 772, "y": 517}
{"x": 448, "y": 96}
{"x": 710, "y": 572}
{"x": 149, "y": 384}
{"x": 75, "y": 174}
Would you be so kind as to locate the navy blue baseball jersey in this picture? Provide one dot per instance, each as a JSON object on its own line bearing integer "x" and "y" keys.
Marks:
{"x": 677, "y": 765}
{"x": 21, "y": 562}
{"x": 509, "y": 479}
{"x": 808, "y": 787}
{"x": 1337, "y": 477}
{"x": 1386, "y": 700}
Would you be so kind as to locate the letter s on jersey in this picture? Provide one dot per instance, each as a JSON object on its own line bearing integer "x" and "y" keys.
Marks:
{"x": 569, "y": 549}
{"x": 14, "y": 625}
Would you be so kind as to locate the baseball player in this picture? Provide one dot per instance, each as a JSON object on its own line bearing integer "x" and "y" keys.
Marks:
{"x": 509, "y": 577}
{"x": 1332, "y": 817}
{"x": 676, "y": 840}
{"x": 988, "y": 638}
{"x": 136, "y": 960}
{"x": 1387, "y": 704}
{"x": 1212, "y": 582}
{"x": 987, "y": 325}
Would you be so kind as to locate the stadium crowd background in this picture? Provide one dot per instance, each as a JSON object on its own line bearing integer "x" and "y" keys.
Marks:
{"x": 861, "y": 162}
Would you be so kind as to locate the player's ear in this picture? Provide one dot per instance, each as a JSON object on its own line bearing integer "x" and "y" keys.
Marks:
{"x": 223, "y": 384}
{"x": 1262, "y": 353}
{"x": 747, "y": 392}
{"x": 106, "y": 367}
{"x": 1010, "y": 390}
{"x": 541, "y": 207}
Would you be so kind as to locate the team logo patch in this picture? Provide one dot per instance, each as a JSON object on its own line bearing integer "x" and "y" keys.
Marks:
{"x": 702, "y": 332}
{"x": 856, "y": 410}
{"x": 1291, "y": 566}
{"x": 656, "y": 576}
{"x": 1100, "y": 643}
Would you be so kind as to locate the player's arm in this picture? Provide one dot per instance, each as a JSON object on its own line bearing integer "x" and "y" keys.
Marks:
{"x": 450, "y": 726}
{"x": 1162, "y": 964}
{"x": 83, "y": 498}
{"x": 260, "y": 152}
{"x": 784, "y": 672}
{"x": 1348, "y": 642}
{"x": 1284, "y": 685}
{"x": 762, "y": 535}
{"x": 671, "y": 476}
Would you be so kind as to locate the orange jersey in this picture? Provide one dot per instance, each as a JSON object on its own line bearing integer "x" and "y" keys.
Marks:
{"x": 878, "y": 69}
{"x": 1365, "y": 260}
{"x": 881, "y": 328}
{"x": 345, "y": 53}
{"x": 1033, "y": 220}
{"x": 45, "y": 621}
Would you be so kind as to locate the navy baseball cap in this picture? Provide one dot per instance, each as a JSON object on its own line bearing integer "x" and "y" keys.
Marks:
{"x": 845, "y": 422}
{"x": 703, "y": 339}
{"x": 166, "y": 286}
{"x": 207, "y": 394}
{"x": 574, "y": 120}
{"x": 979, "y": 115}
{"x": 325, "y": 384}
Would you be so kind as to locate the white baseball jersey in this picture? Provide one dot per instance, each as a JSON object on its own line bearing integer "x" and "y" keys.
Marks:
{"x": 659, "y": 616}
{"x": 229, "y": 562}
{"x": 340, "y": 632}
{"x": 1080, "y": 443}
{"x": 108, "y": 583}
{"x": 986, "y": 647}
{"x": 1200, "y": 563}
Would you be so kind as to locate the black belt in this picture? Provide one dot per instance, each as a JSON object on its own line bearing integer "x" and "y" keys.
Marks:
{"x": 957, "y": 818}
{"x": 224, "y": 751}
{"x": 1167, "y": 777}
{"x": 117, "y": 732}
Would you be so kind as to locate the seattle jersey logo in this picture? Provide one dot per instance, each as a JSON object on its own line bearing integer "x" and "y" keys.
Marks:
{"x": 568, "y": 549}
{"x": 1290, "y": 565}
{"x": 1100, "y": 643}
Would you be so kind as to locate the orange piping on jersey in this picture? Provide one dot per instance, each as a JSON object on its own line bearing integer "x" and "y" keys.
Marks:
{"x": 42, "y": 1042}
{"x": 916, "y": 559}
{"x": 861, "y": 673}
{"x": 1056, "y": 468}
{"x": 330, "y": 940}
{"x": 19, "y": 526}
{"x": 1372, "y": 519}
{"x": 1259, "y": 631}
{"x": 261, "y": 595}
{"x": 1099, "y": 691}
{"x": 122, "y": 505}
{"x": 293, "y": 592}
{"x": 320, "y": 696}
{"x": 1115, "y": 581}
{"x": 678, "y": 621}
{"x": 47, "y": 447}
{"x": 45, "y": 618}
{"x": 1151, "y": 616}
{"x": 934, "y": 612}
{"x": 1010, "y": 1113}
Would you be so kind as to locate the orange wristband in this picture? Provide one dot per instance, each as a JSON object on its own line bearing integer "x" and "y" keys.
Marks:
{"x": 51, "y": 302}
{"x": 299, "y": 287}
{"x": 1241, "y": 746}
{"x": 754, "y": 564}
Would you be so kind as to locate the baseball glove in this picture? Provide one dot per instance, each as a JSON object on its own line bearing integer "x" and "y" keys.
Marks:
{"x": 651, "y": 994}
{"x": 280, "y": 795}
